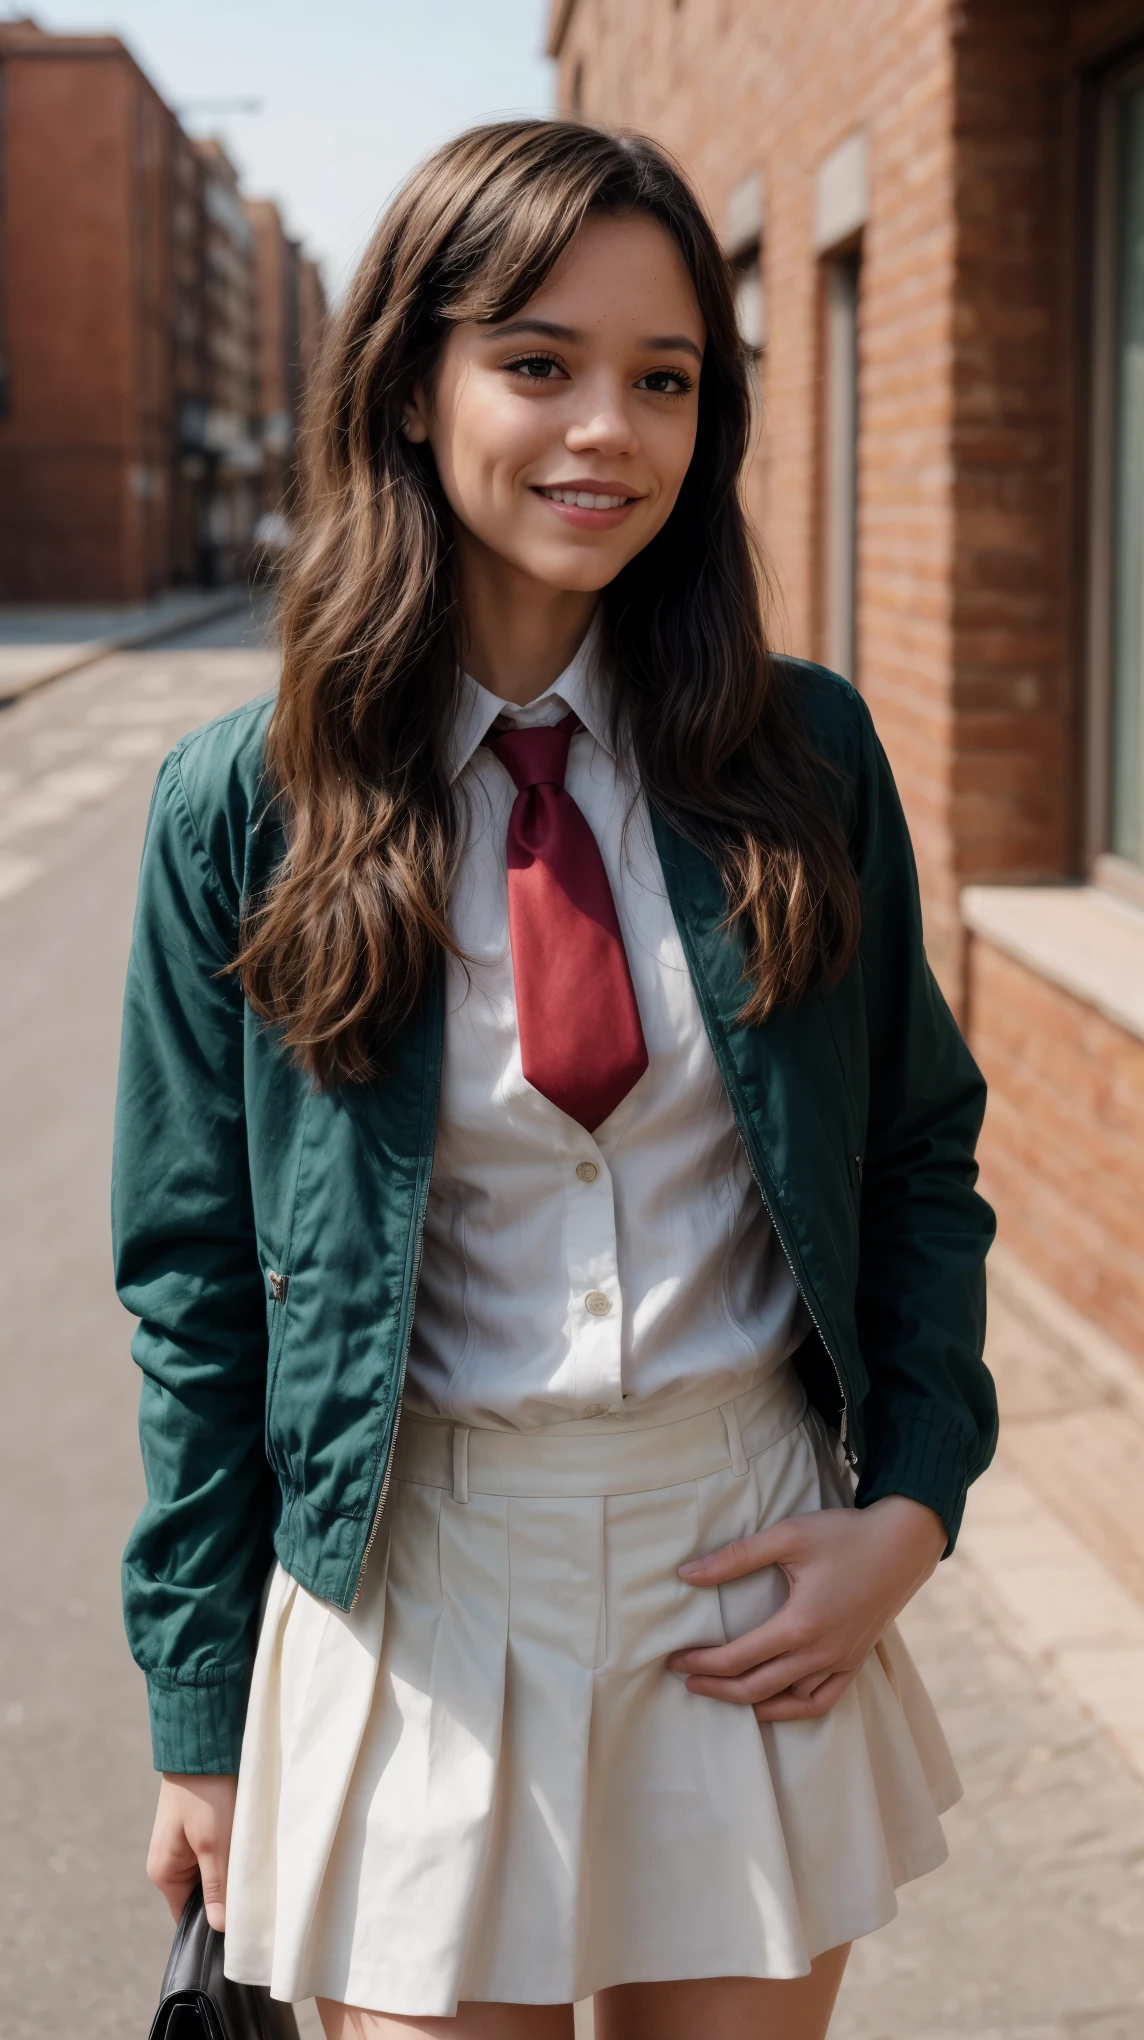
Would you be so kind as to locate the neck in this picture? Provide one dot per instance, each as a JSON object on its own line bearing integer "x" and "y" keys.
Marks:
{"x": 518, "y": 634}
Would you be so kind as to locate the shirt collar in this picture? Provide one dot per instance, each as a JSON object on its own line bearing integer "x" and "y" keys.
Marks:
{"x": 579, "y": 687}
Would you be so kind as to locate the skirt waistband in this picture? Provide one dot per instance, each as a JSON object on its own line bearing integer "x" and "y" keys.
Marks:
{"x": 574, "y": 1459}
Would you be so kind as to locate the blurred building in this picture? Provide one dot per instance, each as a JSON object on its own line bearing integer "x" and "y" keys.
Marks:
{"x": 291, "y": 312}
{"x": 935, "y": 213}
{"x": 311, "y": 315}
{"x": 189, "y": 369}
{"x": 135, "y": 446}
{"x": 231, "y": 439}
{"x": 85, "y": 284}
{"x": 279, "y": 358}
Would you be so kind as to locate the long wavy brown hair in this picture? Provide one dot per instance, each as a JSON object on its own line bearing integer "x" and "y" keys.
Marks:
{"x": 338, "y": 950}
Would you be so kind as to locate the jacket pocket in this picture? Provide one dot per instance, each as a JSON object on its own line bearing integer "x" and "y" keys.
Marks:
{"x": 278, "y": 1290}
{"x": 276, "y": 1274}
{"x": 854, "y": 1177}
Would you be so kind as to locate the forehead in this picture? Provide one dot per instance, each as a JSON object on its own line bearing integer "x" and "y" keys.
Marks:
{"x": 620, "y": 272}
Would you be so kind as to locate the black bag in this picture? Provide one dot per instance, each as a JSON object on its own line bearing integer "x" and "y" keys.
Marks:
{"x": 197, "y": 2002}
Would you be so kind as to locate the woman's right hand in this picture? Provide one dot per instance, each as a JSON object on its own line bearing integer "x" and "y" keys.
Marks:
{"x": 191, "y": 1839}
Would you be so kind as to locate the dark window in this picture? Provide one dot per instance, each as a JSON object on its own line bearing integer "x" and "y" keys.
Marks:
{"x": 1126, "y": 704}
{"x": 750, "y": 303}
{"x": 5, "y": 369}
{"x": 840, "y": 463}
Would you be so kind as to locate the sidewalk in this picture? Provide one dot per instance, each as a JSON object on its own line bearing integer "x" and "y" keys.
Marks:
{"x": 42, "y": 643}
{"x": 1058, "y": 1525}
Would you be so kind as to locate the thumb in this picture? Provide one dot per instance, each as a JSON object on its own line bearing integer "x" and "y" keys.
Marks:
{"x": 773, "y": 1546}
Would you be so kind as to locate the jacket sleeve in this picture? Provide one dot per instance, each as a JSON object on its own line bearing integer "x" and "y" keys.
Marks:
{"x": 187, "y": 1267}
{"x": 931, "y": 1413}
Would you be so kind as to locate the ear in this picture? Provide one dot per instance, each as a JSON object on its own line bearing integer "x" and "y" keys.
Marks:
{"x": 415, "y": 418}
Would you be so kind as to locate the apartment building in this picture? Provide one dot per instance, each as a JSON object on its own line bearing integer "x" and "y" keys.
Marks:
{"x": 85, "y": 286}
{"x": 231, "y": 439}
{"x": 138, "y": 339}
{"x": 291, "y": 311}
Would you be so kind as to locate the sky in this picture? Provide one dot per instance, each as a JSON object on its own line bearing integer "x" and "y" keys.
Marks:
{"x": 353, "y": 92}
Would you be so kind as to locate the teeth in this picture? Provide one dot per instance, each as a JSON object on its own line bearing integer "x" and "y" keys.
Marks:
{"x": 583, "y": 499}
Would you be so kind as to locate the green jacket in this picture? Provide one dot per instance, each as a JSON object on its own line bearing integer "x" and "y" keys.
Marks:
{"x": 267, "y": 1235}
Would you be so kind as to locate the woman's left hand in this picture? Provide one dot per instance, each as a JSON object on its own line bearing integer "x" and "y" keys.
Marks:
{"x": 850, "y": 1572}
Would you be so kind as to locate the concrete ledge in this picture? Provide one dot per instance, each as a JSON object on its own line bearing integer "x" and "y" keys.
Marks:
{"x": 1084, "y": 940}
{"x": 36, "y": 645}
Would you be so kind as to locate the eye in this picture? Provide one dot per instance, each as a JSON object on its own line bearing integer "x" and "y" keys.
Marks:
{"x": 666, "y": 382}
{"x": 536, "y": 367}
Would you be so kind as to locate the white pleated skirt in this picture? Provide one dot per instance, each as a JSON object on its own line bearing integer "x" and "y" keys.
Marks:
{"x": 482, "y": 1783}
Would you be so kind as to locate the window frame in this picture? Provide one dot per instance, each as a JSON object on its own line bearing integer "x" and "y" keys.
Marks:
{"x": 1102, "y": 864}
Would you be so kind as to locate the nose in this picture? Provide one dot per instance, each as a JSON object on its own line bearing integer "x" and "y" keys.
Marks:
{"x": 606, "y": 425}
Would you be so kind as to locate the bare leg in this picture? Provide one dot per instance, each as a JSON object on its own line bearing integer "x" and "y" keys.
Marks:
{"x": 473, "y": 2022}
{"x": 724, "y": 2007}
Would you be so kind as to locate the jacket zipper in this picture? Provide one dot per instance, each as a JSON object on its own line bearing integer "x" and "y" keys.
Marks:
{"x": 419, "y": 1242}
{"x": 388, "y": 1474}
{"x": 851, "y": 1459}
{"x": 727, "y": 1071}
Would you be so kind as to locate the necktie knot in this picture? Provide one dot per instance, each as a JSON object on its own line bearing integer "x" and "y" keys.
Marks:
{"x": 537, "y": 756}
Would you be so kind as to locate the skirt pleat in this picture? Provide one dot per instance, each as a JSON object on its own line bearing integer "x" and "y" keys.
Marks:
{"x": 482, "y": 1783}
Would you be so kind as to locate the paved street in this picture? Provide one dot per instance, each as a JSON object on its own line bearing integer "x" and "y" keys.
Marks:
{"x": 82, "y": 1937}
{"x": 1035, "y": 1931}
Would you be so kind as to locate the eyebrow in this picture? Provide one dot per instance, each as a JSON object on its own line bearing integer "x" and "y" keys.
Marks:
{"x": 669, "y": 342}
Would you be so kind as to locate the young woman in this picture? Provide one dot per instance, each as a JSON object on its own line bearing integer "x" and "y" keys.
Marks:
{"x": 545, "y": 1182}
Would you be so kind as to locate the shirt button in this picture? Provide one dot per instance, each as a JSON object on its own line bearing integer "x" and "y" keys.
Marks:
{"x": 587, "y": 1171}
{"x": 597, "y": 1303}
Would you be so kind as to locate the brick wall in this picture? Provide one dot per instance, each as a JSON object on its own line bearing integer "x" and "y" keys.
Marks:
{"x": 1062, "y": 1156}
{"x": 1014, "y": 725}
{"x": 968, "y": 620}
{"x": 775, "y": 85}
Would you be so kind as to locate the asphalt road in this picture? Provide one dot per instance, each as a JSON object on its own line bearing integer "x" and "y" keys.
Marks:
{"x": 82, "y": 1935}
{"x": 1034, "y": 1931}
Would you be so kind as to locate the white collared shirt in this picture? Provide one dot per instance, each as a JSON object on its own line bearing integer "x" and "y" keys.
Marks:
{"x": 568, "y": 1274}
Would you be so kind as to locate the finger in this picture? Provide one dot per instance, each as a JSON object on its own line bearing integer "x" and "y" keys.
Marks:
{"x": 743, "y": 1555}
{"x": 176, "y": 1887}
{"x": 172, "y": 1867}
{"x": 761, "y": 1683}
{"x": 777, "y": 1637}
{"x": 791, "y": 1706}
{"x": 804, "y": 1688}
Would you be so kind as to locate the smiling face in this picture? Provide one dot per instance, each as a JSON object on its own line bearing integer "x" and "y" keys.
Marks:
{"x": 562, "y": 435}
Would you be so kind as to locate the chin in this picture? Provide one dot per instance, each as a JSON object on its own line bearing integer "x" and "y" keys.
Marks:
{"x": 576, "y": 573}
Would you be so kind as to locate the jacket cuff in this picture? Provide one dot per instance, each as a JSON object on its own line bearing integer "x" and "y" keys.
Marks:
{"x": 196, "y": 1730}
{"x": 925, "y": 1460}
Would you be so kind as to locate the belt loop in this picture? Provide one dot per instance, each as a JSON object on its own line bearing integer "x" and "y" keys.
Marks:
{"x": 460, "y": 1462}
{"x": 730, "y": 1417}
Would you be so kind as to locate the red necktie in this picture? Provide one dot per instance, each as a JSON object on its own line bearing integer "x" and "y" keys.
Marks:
{"x": 581, "y": 1042}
